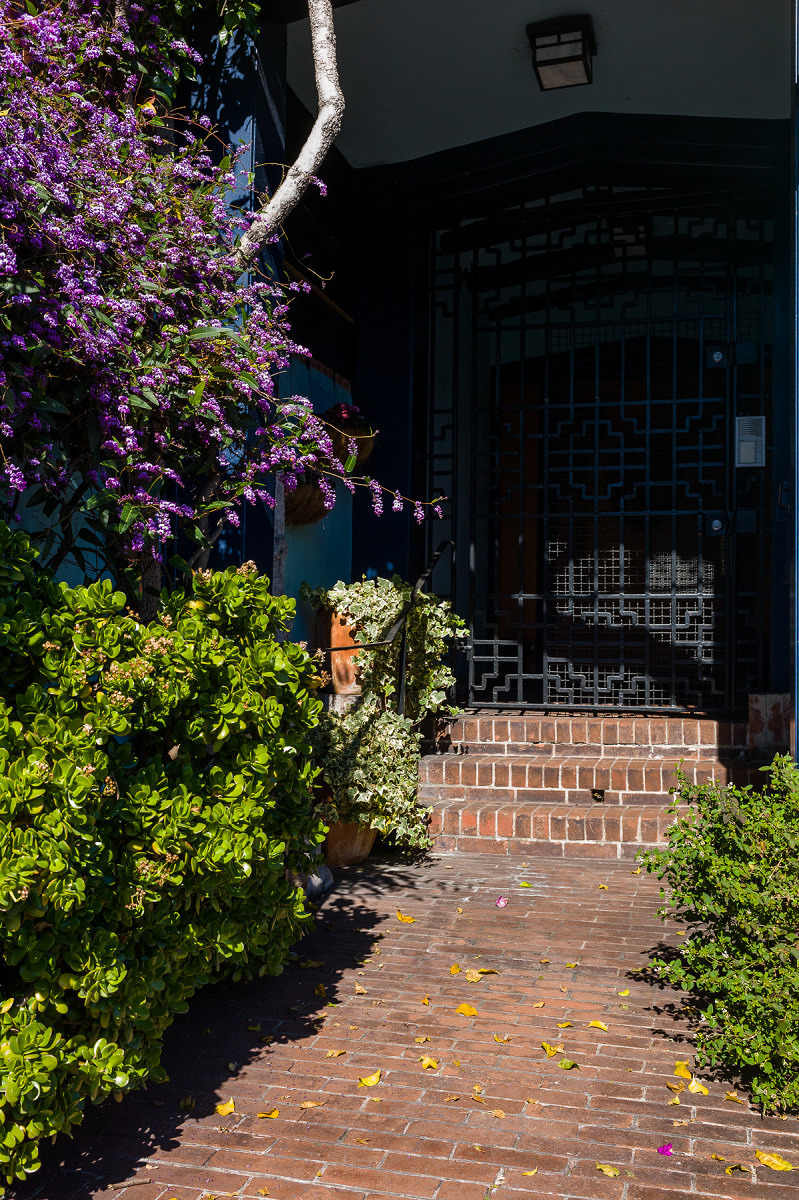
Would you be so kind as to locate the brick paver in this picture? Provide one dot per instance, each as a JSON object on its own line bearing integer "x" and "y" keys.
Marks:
{"x": 489, "y": 1111}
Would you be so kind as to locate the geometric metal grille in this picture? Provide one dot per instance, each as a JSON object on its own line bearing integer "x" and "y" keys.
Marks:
{"x": 590, "y": 352}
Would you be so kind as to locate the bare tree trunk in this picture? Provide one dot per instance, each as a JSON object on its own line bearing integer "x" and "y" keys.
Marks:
{"x": 327, "y": 124}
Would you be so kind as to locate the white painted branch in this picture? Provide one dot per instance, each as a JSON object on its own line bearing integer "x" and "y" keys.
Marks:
{"x": 327, "y": 124}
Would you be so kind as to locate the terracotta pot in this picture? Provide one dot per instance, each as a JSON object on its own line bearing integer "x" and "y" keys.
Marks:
{"x": 347, "y": 844}
{"x": 333, "y": 630}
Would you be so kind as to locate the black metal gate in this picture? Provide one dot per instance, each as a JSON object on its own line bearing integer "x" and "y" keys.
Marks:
{"x": 600, "y": 382}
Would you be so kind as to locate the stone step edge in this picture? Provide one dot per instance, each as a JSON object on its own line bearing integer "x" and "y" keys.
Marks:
{"x": 544, "y": 750}
{"x": 610, "y": 851}
{"x": 437, "y": 795}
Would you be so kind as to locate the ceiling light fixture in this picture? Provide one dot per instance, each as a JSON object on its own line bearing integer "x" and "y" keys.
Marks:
{"x": 563, "y": 50}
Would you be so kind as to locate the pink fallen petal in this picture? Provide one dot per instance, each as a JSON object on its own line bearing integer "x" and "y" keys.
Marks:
{"x": 502, "y": 901}
{"x": 667, "y": 1149}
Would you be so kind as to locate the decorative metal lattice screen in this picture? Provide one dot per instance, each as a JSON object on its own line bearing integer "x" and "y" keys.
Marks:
{"x": 589, "y": 353}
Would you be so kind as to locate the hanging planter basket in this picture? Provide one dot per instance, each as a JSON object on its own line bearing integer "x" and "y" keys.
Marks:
{"x": 305, "y": 505}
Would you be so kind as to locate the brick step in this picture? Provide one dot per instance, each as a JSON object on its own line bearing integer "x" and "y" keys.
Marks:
{"x": 636, "y": 737}
{"x": 578, "y": 779}
{"x": 547, "y": 829}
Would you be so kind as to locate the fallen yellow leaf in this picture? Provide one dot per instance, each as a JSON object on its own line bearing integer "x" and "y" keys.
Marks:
{"x": 626, "y": 992}
{"x": 488, "y": 971}
{"x": 718, "y": 1157}
{"x": 428, "y": 1064}
{"x": 551, "y": 1051}
{"x": 405, "y": 920}
{"x": 226, "y": 1108}
{"x": 320, "y": 990}
{"x": 572, "y": 964}
{"x": 497, "y": 1112}
{"x": 502, "y": 1039}
{"x": 637, "y": 871}
{"x": 539, "y": 1004}
{"x": 477, "y": 1099}
{"x": 360, "y": 991}
{"x": 603, "y": 887}
{"x": 525, "y": 884}
{"x": 674, "y": 1100}
{"x": 564, "y": 1024}
{"x": 460, "y": 910}
{"x": 422, "y": 1040}
{"x": 675, "y": 1087}
{"x": 354, "y": 1026}
{"x": 477, "y": 1087}
{"x": 274, "y": 1113}
{"x": 598, "y": 1025}
{"x": 606, "y": 1170}
{"x": 564, "y": 989}
{"x": 533, "y": 1172}
{"x": 362, "y": 1141}
{"x": 697, "y": 1088}
{"x": 473, "y": 976}
{"x": 370, "y": 1080}
{"x": 681, "y": 1069}
{"x": 466, "y": 1010}
{"x": 734, "y": 1167}
{"x": 543, "y": 960}
{"x": 775, "y": 1161}
{"x": 454, "y": 969}
{"x": 567, "y": 1064}
{"x": 312, "y": 1104}
{"x": 335, "y": 1053}
{"x": 426, "y": 1000}
{"x": 733, "y": 1097}
{"x": 450, "y": 1099}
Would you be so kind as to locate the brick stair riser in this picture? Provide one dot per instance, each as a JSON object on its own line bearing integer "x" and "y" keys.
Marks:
{"x": 524, "y": 774}
{"x": 549, "y": 829}
{"x": 644, "y": 737}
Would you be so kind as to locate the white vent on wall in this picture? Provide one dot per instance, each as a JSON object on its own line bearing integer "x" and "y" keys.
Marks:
{"x": 750, "y": 441}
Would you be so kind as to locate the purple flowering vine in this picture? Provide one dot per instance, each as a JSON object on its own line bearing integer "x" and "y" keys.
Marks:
{"x": 138, "y": 400}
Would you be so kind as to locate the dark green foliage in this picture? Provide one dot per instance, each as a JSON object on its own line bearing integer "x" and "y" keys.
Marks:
{"x": 369, "y": 755}
{"x": 155, "y": 788}
{"x": 732, "y": 868}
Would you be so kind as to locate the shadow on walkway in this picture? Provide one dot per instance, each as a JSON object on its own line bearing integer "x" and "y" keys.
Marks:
{"x": 229, "y": 1027}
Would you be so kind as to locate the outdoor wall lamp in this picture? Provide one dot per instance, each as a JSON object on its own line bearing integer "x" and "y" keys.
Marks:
{"x": 563, "y": 50}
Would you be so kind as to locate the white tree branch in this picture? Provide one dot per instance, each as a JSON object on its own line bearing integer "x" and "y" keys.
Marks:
{"x": 320, "y": 139}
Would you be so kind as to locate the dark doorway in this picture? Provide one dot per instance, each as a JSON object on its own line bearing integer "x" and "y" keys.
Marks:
{"x": 600, "y": 400}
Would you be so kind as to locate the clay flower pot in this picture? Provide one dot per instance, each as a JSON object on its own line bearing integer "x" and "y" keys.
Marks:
{"x": 333, "y": 630}
{"x": 348, "y": 843}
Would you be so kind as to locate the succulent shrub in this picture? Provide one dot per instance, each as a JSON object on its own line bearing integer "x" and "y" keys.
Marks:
{"x": 155, "y": 800}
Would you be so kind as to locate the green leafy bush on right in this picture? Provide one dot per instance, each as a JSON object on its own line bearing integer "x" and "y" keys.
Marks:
{"x": 732, "y": 870}
{"x": 155, "y": 800}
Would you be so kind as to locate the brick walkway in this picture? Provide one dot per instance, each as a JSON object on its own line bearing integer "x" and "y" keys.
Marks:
{"x": 266, "y": 1045}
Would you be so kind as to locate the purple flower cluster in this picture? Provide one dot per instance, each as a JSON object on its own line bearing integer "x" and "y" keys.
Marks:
{"x": 138, "y": 368}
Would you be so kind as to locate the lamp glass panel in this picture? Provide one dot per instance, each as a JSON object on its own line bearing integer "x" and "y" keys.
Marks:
{"x": 562, "y": 74}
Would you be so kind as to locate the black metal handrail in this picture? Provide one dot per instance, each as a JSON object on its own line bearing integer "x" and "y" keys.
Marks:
{"x": 400, "y": 624}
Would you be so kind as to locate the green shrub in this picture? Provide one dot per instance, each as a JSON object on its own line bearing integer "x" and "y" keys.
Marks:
{"x": 155, "y": 787}
{"x": 369, "y": 755}
{"x": 732, "y": 868}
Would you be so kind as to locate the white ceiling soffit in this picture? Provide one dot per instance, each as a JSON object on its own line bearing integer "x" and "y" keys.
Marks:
{"x": 426, "y": 75}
